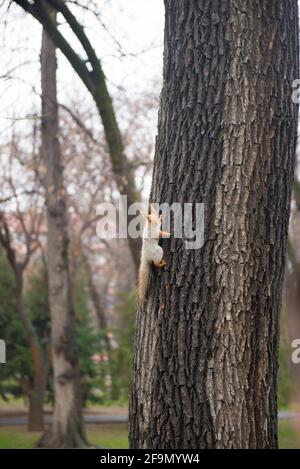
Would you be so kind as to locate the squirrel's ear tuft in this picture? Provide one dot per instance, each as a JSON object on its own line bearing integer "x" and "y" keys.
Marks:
{"x": 153, "y": 210}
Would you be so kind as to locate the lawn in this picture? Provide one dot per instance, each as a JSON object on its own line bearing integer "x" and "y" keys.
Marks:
{"x": 115, "y": 436}
{"x": 289, "y": 438}
{"x": 103, "y": 435}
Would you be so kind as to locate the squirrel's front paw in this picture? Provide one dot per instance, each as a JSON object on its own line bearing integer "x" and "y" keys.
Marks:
{"x": 162, "y": 263}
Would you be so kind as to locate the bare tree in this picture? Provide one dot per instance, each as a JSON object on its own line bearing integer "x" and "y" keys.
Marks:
{"x": 67, "y": 427}
{"x": 21, "y": 225}
{"x": 91, "y": 73}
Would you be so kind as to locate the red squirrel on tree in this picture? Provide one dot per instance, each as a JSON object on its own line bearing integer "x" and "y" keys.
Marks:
{"x": 151, "y": 251}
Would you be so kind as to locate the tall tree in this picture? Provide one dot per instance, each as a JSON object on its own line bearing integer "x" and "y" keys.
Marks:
{"x": 91, "y": 73}
{"x": 38, "y": 380}
{"x": 20, "y": 230}
{"x": 67, "y": 428}
{"x": 206, "y": 346}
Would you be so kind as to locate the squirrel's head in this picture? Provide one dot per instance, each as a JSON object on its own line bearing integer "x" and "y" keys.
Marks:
{"x": 154, "y": 218}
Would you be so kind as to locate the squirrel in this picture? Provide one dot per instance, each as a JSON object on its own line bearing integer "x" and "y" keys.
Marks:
{"x": 151, "y": 251}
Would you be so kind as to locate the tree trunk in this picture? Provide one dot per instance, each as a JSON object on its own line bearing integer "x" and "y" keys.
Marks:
{"x": 97, "y": 301}
{"x": 206, "y": 345}
{"x": 36, "y": 413}
{"x": 67, "y": 428}
{"x": 37, "y": 387}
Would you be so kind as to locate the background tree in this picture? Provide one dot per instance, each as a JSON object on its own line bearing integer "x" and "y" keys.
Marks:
{"x": 292, "y": 291}
{"x": 19, "y": 365}
{"x": 17, "y": 377}
{"x": 227, "y": 134}
{"x": 67, "y": 427}
{"x": 121, "y": 355}
{"x": 21, "y": 222}
{"x": 91, "y": 73}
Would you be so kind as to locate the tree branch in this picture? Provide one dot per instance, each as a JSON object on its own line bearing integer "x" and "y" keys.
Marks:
{"x": 6, "y": 243}
{"x": 79, "y": 32}
{"x": 39, "y": 10}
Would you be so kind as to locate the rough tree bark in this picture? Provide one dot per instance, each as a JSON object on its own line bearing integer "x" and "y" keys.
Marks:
{"x": 205, "y": 365}
{"x": 67, "y": 428}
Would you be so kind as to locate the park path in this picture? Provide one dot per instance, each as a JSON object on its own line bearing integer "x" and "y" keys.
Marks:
{"x": 117, "y": 418}
{"x": 23, "y": 419}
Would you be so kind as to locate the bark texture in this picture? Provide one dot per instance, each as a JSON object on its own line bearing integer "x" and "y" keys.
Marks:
{"x": 206, "y": 346}
{"x": 67, "y": 428}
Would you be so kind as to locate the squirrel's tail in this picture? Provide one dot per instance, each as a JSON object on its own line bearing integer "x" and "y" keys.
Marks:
{"x": 143, "y": 281}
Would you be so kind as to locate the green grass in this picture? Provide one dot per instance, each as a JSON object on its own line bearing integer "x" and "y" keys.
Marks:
{"x": 12, "y": 437}
{"x": 110, "y": 436}
{"x": 114, "y": 435}
{"x": 289, "y": 438}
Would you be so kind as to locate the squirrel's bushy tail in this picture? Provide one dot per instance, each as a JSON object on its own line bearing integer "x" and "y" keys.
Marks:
{"x": 143, "y": 281}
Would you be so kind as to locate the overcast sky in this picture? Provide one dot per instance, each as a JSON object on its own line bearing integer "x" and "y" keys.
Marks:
{"x": 137, "y": 25}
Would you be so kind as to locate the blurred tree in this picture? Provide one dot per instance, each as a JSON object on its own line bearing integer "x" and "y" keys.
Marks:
{"x": 89, "y": 339}
{"x": 21, "y": 229}
{"x": 91, "y": 73}
{"x": 11, "y": 330}
{"x": 67, "y": 429}
{"x": 29, "y": 229}
{"x": 206, "y": 347}
{"x": 292, "y": 290}
{"x": 18, "y": 375}
{"x": 121, "y": 354}
{"x": 285, "y": 377}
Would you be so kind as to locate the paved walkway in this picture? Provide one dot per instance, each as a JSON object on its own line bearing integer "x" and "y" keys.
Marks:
{"x": 23, "y": 420}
